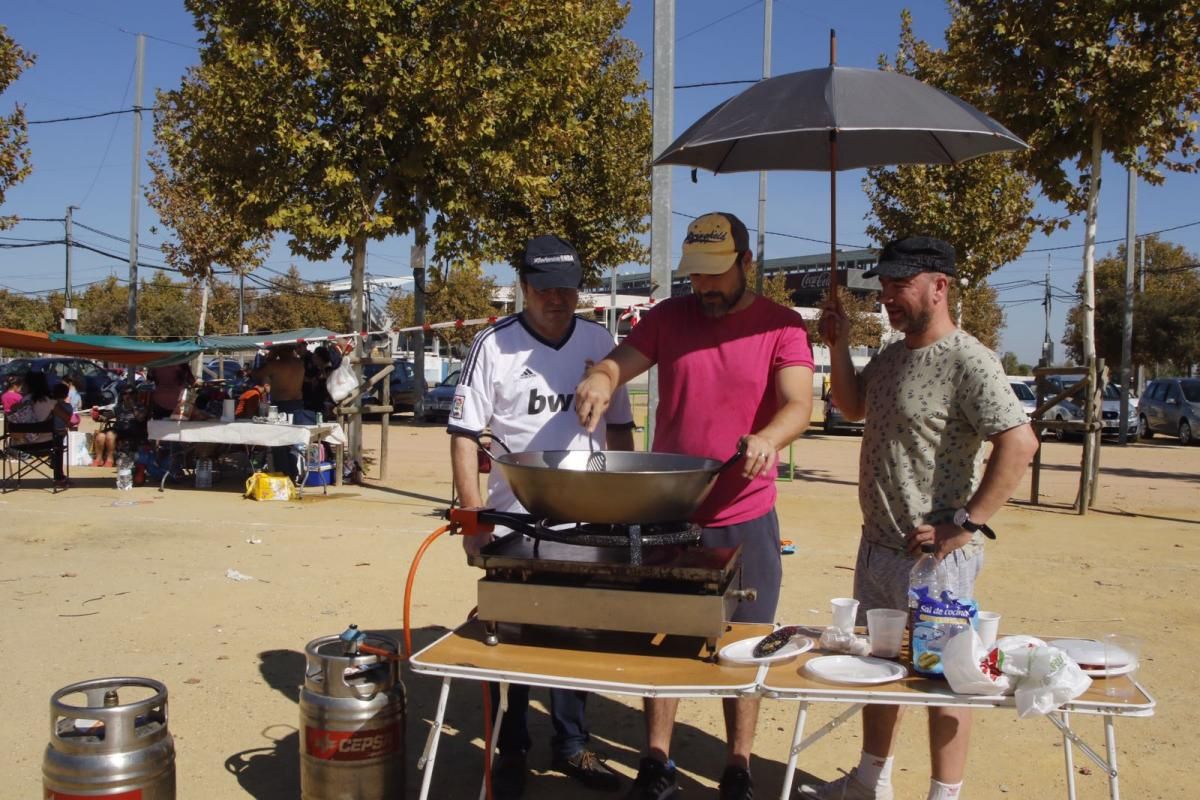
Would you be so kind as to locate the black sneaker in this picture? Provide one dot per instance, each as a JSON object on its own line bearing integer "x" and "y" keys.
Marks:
{"x": 508, "y": 776}
{"x": 736, "y": 784}
{"x": 655, "y": 781}
{"x": 589, "y": 768}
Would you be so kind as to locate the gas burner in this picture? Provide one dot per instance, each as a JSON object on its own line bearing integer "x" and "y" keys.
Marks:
{"x": 632, "y": 536}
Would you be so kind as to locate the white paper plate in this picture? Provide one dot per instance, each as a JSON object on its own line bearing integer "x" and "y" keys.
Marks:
{"x": 1094, "y": 660}
{"x": 742, "y": 652}
{"x": 855, "y": 669}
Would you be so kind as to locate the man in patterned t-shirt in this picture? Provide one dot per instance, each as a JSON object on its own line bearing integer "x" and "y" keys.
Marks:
{"x": 930, "y": 402}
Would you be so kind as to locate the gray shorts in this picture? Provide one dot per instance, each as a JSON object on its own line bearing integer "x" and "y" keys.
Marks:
{"x": 762, "y": 563}
{"x": 881, "y": 576}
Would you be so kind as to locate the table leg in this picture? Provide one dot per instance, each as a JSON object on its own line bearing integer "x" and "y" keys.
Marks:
{"x": 1069, "y": 754}
{"x": 340, "y": 455}
{"x": 428, "y": 758}
{"x": 1110, "y": 745}
{"x": 794, "y": 751}
{"x": 495, "y": 734}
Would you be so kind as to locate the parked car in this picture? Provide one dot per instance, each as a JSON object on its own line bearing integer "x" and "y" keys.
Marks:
{"x": 211, "y": 370}
{"x": 402, "y": 382}
{"x": 1170, "y": 406}
{"x": 835, "y": 422}
{"x": 95, "y": 384}
{"x": 439, "y": 398}
{"x": 1025, "y": 395}
{"x": 1110, "y": 406}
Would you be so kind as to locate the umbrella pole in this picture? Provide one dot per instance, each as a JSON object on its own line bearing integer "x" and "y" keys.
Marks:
{"x": 833, "y": 271}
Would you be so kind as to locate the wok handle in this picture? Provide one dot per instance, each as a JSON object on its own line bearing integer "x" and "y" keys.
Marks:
{"x": 479, "y": 437}
{"x": 739, "y": 453}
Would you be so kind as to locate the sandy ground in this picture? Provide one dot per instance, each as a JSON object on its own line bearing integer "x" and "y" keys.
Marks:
{"x": 96, "y": 586}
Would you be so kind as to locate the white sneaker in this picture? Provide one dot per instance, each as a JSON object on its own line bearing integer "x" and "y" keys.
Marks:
{"x": 847, "y": 787}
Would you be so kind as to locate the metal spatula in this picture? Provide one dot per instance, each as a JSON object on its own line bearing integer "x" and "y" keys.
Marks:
{"x": 597, "y": 462}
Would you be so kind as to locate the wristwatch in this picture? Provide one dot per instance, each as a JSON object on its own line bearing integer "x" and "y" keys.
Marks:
{"x": 962, "y": 518}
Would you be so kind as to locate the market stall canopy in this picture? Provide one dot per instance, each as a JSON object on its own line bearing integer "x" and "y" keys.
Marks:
{"x": 144, "y": 352}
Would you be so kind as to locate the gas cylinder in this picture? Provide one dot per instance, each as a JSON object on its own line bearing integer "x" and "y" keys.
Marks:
{"x": 352, "y": 718}
{"x": 115, "y": 745}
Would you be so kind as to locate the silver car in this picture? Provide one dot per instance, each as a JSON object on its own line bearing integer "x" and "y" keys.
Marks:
{"x": 1170, "y": 406}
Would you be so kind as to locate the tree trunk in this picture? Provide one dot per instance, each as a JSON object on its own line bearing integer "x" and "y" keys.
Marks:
{"x": 1089, "y": 249}
{"x": 198, "y": 363}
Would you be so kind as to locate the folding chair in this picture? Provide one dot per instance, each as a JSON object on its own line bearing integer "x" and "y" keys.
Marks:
{"x": 22, "y": 459}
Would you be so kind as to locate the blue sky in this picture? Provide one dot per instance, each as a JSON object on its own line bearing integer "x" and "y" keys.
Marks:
{"x": 85, "y": 53}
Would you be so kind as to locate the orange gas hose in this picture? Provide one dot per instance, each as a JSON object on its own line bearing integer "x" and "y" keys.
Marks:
{"x": 412, "y": 575}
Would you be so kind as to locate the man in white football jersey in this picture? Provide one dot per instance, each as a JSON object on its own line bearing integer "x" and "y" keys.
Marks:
{"x": 519, "y": 381}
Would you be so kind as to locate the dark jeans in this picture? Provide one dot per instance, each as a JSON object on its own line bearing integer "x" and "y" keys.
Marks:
{"x": 566, "y": 713}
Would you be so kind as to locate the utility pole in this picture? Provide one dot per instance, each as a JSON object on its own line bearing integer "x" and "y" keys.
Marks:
{"x": 70, "y": 315}
{"x": 135, "y": 189}
{"x": 663, "y": 113}
{"x": 1047, "y": 345}
{"x": 760, "y": 273}
{"x": 241, "y": 302}
{"x": 612, "y": 303}
{"x": 417, "y": 259}
{"x": 1127, "y": 321}
{"x": 1141, "y": 372}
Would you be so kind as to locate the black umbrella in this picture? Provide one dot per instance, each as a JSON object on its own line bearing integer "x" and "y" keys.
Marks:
{"x": 837, "y": 118}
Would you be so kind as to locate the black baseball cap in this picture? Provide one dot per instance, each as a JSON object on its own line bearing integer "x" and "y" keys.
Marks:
{"x": 902, "y": 258}
{"x": 550, "y": 262}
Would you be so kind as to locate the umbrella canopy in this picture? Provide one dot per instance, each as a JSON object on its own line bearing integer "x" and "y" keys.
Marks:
{"x": 836, "y": 118}
{"x": 879, "y": 118}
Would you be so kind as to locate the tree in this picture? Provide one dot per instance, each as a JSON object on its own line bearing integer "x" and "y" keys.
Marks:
{"x": 461, "y": 292}
{"x": 1166, "y": 320}
{"x": 104, "y": 308}
{"x": 25, "y": 312}
{"x": 340, "y": 123}
{"x": 14, "y": 137}
{"x": 293, "y": 303}
{"x": 1013, "y": 366}
{"x": 982, "y": 207}
{"x": 205, "y": 233}
{"x": 865, "y": 327}
{"x": 1076, "y": 80}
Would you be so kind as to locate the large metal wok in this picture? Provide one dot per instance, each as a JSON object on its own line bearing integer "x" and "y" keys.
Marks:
{"x": 633, "y": 488}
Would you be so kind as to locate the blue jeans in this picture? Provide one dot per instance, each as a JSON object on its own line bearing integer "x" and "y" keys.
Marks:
{"x": 566, "y": 713}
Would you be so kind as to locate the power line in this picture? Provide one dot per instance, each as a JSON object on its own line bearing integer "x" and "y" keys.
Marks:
{"x": 708, "y": 25}
{"x": 1114, "y": 241}
{"x": 85, "y": 116}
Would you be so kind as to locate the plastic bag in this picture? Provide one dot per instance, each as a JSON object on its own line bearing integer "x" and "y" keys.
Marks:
{"x": 341, "y": 382}
{"x": 77, "y": 454}
{"x": 971, "y": 668}
{"x": 1050, "y": 678}
{"x": 270, "y": 486}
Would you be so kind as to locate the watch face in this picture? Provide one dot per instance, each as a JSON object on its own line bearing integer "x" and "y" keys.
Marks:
{"x": 960, "y": 517}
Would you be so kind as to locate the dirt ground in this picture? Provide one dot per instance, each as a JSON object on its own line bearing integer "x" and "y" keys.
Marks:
{"x": 96, "y": 585}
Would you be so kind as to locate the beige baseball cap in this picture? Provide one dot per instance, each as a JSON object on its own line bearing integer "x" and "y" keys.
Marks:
{"x": 712, "y": 242}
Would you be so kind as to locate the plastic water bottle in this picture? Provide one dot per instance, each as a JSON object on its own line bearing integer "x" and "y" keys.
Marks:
{"x": 204, "y": 476}
{"x": 938, "y": 609}
{"x": 124, "y": 472}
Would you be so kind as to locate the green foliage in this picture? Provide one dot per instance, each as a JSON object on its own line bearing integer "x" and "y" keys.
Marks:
{"x": 292, "y": 303}
{"x": 982, "y": 207}
{"x": 14, "y": 137}
{"x": 26, "y": 313}
{"x": 865, "y": 327}
{"x": 339, "y": 122}
{"x": 103, "y": 308}
{"x": 982, "y": 316}
{"x": 1013, "y": 366}
{"x": 1053, "y": 71}
{"x": 1166, "y": 317}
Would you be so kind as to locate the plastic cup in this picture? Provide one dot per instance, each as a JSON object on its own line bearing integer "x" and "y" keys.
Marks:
{"x": 885, "y": 628}
{"x": 845, "y": 609}
{"x": 987, "y": 624}
{"x": 1122, "y": 653}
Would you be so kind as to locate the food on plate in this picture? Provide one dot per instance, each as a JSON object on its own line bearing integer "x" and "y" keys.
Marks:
{"x": 772, "y": 642}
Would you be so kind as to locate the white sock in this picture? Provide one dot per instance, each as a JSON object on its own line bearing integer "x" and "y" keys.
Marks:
{"x": 943, "y": 791}
{"x": 874, "y": 771}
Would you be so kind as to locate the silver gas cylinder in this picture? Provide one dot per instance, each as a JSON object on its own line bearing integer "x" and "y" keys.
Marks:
{"x": 352, "y": 719}
{"x": 109, "y": 739}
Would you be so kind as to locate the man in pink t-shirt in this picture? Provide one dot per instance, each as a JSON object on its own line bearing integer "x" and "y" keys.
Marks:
{"x": 733, "y": 369}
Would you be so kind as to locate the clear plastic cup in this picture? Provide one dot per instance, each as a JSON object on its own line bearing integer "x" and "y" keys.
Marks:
{"x": 1122, "y": 654}
{"x": 845, "y": 609}
{"x": 987, "y": 625}
{"x": 885, "y": 628}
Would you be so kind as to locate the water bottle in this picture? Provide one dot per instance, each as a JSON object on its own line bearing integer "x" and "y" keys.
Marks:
{"x": 124, "y": 472}
{"x": 204, "y": 474}
{"x": 938, "y": 609}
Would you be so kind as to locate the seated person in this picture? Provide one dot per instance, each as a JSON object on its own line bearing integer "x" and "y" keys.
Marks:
{"x": 169, "y": 382}
{"x": 128, "y": 430}
{"x": 38, "y": 406}
{"x": 62, "y": 392}
{"x": 252, "y": 402}
{"x": 12, "y": 392}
